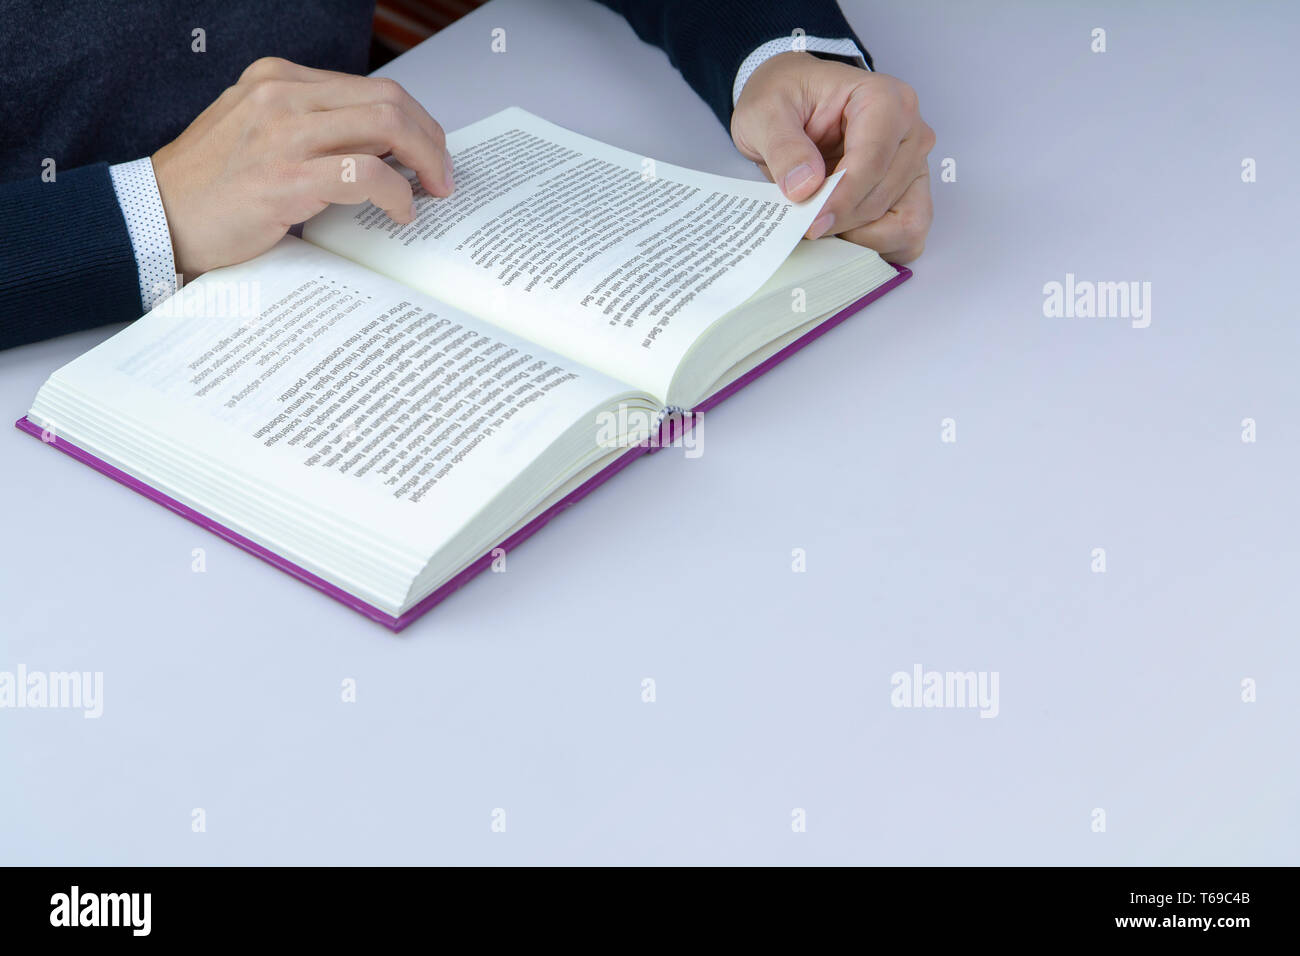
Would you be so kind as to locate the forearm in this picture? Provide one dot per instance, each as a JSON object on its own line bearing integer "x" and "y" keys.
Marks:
{"x": 66, "y": 261}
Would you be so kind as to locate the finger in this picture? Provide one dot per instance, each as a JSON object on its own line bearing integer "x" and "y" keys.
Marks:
{"x": 378, "y": 128}
{"x": 872, "y": 134}
{"x": 328, "y": 90}
{"x": 340, "y": 91}
{"x": 259, "y": 75}
{"x": 777, "y": 141}
{"x": 899, "y": 235}
{"x": 909, "y": 162}
{"x": 352, "y": 179}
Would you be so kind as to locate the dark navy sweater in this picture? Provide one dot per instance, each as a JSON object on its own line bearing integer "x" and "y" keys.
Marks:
{"x": 88, "y": 83}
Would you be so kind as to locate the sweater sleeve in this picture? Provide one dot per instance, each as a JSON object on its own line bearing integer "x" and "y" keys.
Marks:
{"x": 66, "y": 262}
{"x": 708, "y": 42}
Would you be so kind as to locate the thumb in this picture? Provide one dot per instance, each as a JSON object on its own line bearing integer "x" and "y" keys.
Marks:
{"x": 793, "y": 159}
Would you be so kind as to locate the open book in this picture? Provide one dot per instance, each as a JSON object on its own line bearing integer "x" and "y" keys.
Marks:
{"x": 379, "y": 408}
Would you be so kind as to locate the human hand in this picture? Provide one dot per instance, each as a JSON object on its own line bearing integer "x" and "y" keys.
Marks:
{"x": 799, "y": 115}
{"x": 282, "y": 144}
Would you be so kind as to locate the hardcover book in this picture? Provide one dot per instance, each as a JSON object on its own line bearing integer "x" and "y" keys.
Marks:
{"x": 380, "y": 409}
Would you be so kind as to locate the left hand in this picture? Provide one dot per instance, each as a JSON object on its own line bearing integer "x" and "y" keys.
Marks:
{"x": 798, "y": 115}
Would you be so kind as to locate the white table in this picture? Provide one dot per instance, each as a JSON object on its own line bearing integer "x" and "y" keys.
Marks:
{"x": 1119, "y": 690}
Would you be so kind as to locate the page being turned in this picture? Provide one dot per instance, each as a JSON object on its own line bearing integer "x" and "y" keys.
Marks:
{"x": 610, "y": 258}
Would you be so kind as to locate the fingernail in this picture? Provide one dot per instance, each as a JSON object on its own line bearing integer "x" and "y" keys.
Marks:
{"x": 448, "y": 171}
{"x": 821, "y": 225}
{"x": 415, "y": 211}
{"x": 797, "y": 177}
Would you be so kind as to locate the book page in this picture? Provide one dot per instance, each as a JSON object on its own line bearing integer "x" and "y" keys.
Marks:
{"x": 612, "y": 259}
{"x": 315, "y": 381}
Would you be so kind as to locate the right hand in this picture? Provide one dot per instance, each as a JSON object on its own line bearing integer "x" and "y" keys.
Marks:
{"x": 798, "y": 116}
{"x": 281, "y": 145}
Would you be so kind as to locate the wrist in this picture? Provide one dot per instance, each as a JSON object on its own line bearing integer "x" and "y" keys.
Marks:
{"x": 169, "y": 193}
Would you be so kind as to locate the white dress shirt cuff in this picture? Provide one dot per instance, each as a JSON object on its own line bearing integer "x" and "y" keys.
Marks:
{"x": 841, "y": 47}
{"x": 146, "y": 224}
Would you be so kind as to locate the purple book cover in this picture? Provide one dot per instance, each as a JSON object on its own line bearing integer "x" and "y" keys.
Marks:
{"x": 510, "y": 543}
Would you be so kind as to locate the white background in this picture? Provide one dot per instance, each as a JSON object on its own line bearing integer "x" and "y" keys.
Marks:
{"x": 1119, "y": 691}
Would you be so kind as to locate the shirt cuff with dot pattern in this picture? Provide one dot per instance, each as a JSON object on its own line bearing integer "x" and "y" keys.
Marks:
{"x": 146, "y": 225}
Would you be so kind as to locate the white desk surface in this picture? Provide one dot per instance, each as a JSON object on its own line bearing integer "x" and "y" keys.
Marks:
{"x": 1119, "y": 691}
